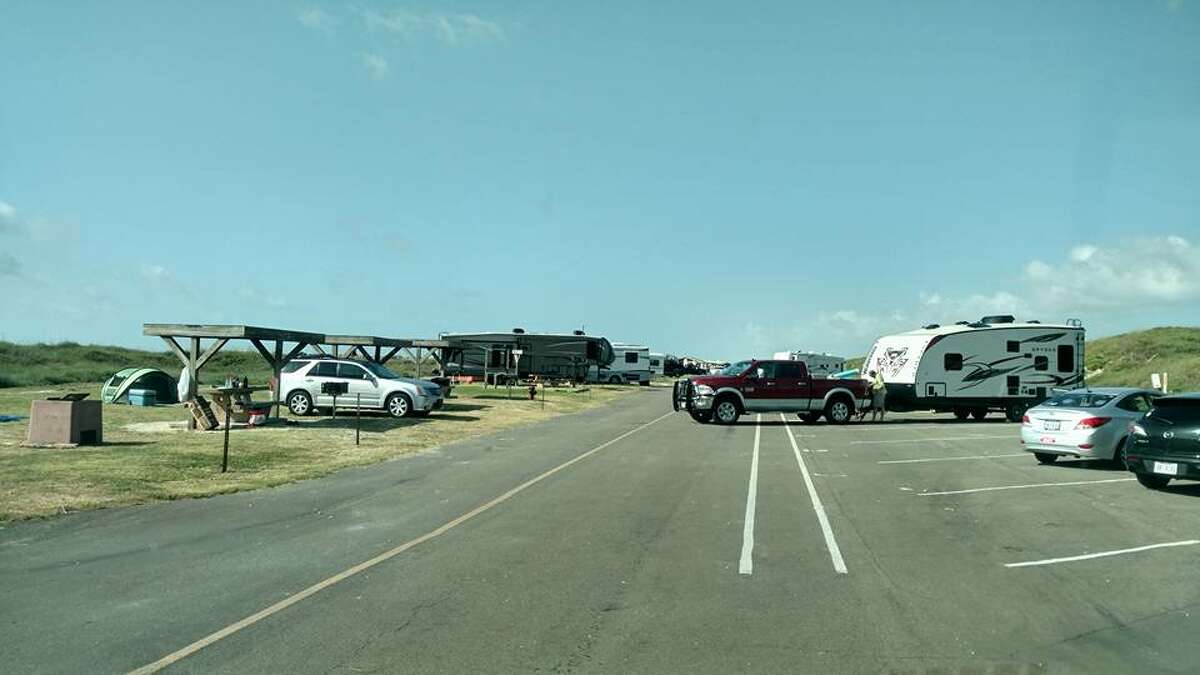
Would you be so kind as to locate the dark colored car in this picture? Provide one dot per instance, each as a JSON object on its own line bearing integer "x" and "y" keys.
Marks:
{"x": 1165, "y": 443}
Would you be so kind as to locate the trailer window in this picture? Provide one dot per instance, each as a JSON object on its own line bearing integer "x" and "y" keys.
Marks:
{"x": 1014, "y": 347}
{"x": 1066, "y": 359}
{"x": 953, "y": 362}
{"x": 631, "y": 357}
{"x": 1041, "y": 363}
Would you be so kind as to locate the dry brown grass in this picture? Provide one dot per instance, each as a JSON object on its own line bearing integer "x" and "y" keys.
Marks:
{"x": 138, "y": 466}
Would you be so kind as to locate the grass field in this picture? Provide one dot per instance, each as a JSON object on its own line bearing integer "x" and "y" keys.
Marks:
{"x": 143, "y": 460}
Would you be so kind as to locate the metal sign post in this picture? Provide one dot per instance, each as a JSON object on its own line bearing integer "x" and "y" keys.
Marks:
{"x": 225, "y": 453}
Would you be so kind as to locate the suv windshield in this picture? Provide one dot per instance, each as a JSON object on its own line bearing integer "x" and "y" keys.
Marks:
{"x": 380, "y": 371}
{"x": 734, "y": 368}
{"x": 1079, "y": 400}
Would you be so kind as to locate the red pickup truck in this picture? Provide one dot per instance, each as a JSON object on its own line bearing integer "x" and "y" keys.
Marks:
{"x": 769, "y": 386}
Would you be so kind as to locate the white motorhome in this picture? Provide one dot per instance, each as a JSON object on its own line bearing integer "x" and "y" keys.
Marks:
{"x": 818, "y": 364}
{"x": 631, "y": 363}
{"x": 657, "y": 363}
{"x": 973, "y": 368}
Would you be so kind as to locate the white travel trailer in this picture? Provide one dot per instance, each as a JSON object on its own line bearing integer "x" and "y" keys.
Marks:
{"x": 818, "y": 364}
{"x": 631, "y": 363}
{"x": 973, "y": 368}
{"x": 657, "y": 363}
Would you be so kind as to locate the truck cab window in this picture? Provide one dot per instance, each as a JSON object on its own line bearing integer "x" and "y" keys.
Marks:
{"x": 765, "y": 371}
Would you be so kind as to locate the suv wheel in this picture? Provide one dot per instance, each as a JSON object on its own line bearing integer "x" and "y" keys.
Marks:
{"x": 839, "y": 410}
{"x": 1045, "y": 457}
{"x": 725, "y": 411}
{"x": 300, "y": 403}
{"x": 399, "y": 405}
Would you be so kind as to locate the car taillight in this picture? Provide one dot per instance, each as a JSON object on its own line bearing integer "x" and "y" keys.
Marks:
{"x": 1025, "y": 420}
{"x": 1092, "y": 422}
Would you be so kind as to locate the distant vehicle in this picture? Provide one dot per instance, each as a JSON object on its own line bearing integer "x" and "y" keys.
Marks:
{"x": 1091, "y": 423}
{"x": 494, "y": 357}
{"x": 970, "y": 369}
{"x": 378, "y": 387}
{"x": 1165, "y": 443}
{"x": 769, "y": 386}
{"x": 630, "y": 364}
{"x": 658, "y": 363}
{"x": 819, "y": 364}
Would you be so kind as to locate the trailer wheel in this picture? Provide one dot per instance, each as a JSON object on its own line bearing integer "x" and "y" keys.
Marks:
{"x": 1015, "y": 412}
{"x": 615, "y": 379}
{"x": 961, "y": 414}
{"x": 979, "y": 413}
{"x": 839, "y": 410}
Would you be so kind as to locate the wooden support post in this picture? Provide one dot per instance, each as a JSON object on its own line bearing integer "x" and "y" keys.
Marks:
{"x": 277, "y": 367}
{"x": 388, "y": 357}
{"x": 420, "y": 358}
{"x": 377, "y": 355}
{"x": 193, "y": 376}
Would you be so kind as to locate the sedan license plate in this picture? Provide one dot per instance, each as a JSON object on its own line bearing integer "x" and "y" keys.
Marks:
{"x": 1052, "y": 425}
{"x": 1166, "y": 468}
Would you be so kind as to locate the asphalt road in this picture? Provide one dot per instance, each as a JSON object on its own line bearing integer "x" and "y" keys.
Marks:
{"x": 633, "y": 558}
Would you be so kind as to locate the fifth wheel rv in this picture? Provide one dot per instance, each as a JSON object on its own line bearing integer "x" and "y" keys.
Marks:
{"x": 970, "y": 369}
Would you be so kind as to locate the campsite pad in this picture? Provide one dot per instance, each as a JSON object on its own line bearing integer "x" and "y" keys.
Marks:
{"x": 155, "y": 427}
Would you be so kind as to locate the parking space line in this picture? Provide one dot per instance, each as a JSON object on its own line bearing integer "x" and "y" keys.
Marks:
{"x": 1103, "y": 554}
{"x": 929, "y": 440}
{"x": 949, "y": 459}
{"x": 746, "y": 563}
{"x": 835, "y": 553}
{"x": 1022, "y": 487}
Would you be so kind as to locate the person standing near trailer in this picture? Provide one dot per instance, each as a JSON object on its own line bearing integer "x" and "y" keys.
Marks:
{"x": 878, "y": 396}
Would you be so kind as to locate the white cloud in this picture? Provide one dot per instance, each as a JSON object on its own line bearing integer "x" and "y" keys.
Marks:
{"x": 1128, "y": 275}
{"x": 450, "y": 29}
{"x": 9, "y": 265}
{"x": 9, "y": 223}
{"x": 317, "y": 19}
{"x": 376, "y": 65}
{"x": 155, "y": 272}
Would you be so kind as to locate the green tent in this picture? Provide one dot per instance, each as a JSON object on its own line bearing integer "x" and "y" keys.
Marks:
{"x": 116, "y": 389}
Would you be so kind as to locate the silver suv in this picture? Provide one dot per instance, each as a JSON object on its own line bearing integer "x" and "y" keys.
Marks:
{"x": 377, "y": 386}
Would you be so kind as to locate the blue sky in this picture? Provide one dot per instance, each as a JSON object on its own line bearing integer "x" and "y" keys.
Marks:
{"x": 702, "y": 177}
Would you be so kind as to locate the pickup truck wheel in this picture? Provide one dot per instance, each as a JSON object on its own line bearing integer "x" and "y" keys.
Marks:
{"x": 810, "y": 417}
{"x": 961, "y": 414}
{"x": 702, "y": 417}
{"x": 725, "y": 411}
{"x": 399, "y": 405}
{"x": 839, "y": 410}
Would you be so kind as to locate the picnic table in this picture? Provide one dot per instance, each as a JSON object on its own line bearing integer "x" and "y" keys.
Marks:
{"x": 238, "y": 402}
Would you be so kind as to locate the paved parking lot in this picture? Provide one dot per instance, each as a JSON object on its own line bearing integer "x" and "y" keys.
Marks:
{"x": 626, "y": 540}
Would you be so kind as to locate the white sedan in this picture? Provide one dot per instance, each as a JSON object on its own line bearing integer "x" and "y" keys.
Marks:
{"x": 1084, "y": 423}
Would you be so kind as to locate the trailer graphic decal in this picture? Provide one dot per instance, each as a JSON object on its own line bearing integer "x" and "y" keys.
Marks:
{"x": 1051, "y": 337}
{"x": 892, "y": 361}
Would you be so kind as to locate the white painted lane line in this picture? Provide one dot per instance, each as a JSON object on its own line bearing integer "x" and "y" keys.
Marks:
{"x": 1103, "y": 554}
{"x": 746, "y": 563}
{"x": 232, "y": 628}
{"x": 931, "y": 440}
{"x": 1022, "y": 487}
{"x": 949, "y": 459}
{"x": 948, "y": 427}
{"x": 835, "y": 553}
